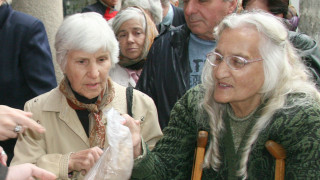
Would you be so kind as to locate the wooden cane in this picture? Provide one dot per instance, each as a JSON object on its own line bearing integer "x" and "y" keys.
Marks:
{"x": 199, "y": 155}
{"x": 278, "y": 152}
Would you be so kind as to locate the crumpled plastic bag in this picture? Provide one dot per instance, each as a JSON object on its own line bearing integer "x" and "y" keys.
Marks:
{"x": 116, "y": 162}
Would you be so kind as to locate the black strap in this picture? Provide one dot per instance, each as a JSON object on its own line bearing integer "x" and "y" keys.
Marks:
{"x": 129, "y": 94}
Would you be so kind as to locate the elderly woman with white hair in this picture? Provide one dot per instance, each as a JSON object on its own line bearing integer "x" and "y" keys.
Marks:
{"x": 255, "y": 88}
{"x": 135, "y": 32}
{"x": 72, "y": 113}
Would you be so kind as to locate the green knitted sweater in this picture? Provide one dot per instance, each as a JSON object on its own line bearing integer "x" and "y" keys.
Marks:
{"x": 297, "y": 129}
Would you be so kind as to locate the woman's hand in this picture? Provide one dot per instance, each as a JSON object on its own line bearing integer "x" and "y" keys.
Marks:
{"x": 134, "y": 126}
{"x": 11, "y": 117}
{"x": 83, "y": 161}
{"x": 28, "y": 171}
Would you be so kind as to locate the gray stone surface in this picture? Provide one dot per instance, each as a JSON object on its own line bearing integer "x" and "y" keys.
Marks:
{"x": 310, "y": 18}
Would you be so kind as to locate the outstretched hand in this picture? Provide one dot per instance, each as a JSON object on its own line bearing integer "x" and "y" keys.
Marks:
{"x": 11, "y": 117}
{"x": 28, "y": 171}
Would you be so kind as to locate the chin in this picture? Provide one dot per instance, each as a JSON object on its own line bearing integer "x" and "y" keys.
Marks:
{"x": 221, "y": 99}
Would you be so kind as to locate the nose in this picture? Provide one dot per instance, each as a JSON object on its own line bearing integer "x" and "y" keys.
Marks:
{"x": 93, "y": 71}
{"x": 222, "y": 70}
{"x": 130, "y": 38}
{"x": 190, "y": 7}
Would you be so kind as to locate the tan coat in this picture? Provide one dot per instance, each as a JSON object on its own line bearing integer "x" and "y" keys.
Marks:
{"x": 65, "y": 134}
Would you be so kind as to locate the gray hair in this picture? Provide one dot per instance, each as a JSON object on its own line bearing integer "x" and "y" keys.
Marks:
{"x": 125, "y": 15}
{"x": 152, "y": 6}
{"x": 88, "y": 32}
{"x": 284, "y": 73}
{"x": 165, "y": 2}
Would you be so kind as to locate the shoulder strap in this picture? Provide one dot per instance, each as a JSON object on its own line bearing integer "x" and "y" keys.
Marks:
{"x": 129, "y": 95}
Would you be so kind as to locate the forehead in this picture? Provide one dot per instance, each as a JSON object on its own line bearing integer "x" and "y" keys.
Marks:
{"x": 84, "y": 54}
{"x": 131, "y": 23}
{"x": 242, "y": 41}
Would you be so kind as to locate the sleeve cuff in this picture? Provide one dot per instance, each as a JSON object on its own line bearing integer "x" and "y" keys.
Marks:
{"x": 64, "y": 163}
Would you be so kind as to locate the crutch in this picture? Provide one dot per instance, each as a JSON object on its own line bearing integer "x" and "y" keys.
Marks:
{"x": 278, "y": 152}
{"x": 199, "y": 155}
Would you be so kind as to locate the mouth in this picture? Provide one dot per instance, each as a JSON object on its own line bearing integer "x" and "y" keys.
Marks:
{"x": 131, "y": 49}
{"x": 92, "y": 85}
{"x": 224, "y": 85}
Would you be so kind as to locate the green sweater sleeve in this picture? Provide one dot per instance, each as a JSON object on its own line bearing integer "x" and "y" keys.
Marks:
{"x": 172, "y": 156}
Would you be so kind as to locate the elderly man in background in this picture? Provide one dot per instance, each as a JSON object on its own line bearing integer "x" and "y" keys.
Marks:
{"x": 176, "y": 58}
{"x": 172, "y": 16}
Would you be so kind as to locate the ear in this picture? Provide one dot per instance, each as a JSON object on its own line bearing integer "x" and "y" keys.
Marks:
{"x": 232, "y": 6}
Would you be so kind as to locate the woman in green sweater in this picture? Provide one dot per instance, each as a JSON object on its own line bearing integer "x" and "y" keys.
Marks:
{"x": 255, "y": 89}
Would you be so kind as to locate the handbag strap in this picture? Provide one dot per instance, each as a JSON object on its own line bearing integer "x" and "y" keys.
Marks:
{"x": 129, "y": 95}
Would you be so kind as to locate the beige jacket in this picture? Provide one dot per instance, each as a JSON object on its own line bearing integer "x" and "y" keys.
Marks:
{"x": 65, "y": 134}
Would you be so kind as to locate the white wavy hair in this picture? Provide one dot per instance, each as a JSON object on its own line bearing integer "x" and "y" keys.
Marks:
{"x": 152, "y": 6}
{"x": 88, "y": 32}
{"x": 284, "y": 73}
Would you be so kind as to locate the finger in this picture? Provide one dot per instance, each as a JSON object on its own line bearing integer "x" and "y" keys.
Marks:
{"x": 9, "y": 133}
{"x": 42, "y": 174}
{"x": 96, "y": 154}
{"x": 29, "y": 123}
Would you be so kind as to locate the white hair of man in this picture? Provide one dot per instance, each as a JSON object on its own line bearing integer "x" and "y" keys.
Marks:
{"x": 284, "y": 73}
{"x": 151, "y": 6}
{"x": 88, "y": 32}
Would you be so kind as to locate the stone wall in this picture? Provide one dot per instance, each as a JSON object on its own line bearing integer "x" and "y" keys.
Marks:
{"x": 310, "y": 18}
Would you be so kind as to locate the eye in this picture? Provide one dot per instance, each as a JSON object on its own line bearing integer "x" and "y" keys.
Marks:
{"x": 103, "y": 59}
{"x": 121, "y": 35}
{"x": 236, "y": 62}
{"x": 81, "y": 61}
{"x": 218, "y": 58}
{"x": 138, "y": 33}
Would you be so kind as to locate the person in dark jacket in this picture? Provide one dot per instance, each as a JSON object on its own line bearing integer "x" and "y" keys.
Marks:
{"x": 176, "y": 58}
{"x": 26, "y": 68}
{"x": 172, "y": 16}
{"x": 306, "y": 46}
{"x": 103, "y": 7}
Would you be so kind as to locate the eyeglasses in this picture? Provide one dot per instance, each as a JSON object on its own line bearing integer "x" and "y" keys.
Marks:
{"x": 234, "y": 62}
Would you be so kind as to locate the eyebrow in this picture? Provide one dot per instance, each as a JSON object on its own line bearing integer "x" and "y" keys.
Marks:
{"x": 237, "y": 54}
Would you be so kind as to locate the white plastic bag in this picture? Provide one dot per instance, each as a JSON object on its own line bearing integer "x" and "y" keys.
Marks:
{"x": 116, "y": 162}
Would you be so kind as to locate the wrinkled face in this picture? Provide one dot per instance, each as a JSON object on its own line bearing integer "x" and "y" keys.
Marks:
{"x": 131, "y": 37}
{"x": 239, "y": 86}
{"x": 110, "y": 2}
{"x": 203, "y": 15}
{"x": 88, "y": 72}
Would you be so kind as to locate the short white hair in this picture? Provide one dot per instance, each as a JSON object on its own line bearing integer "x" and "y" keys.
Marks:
{"x": 152, "y": 6}
{"x": 88, "y": 32}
